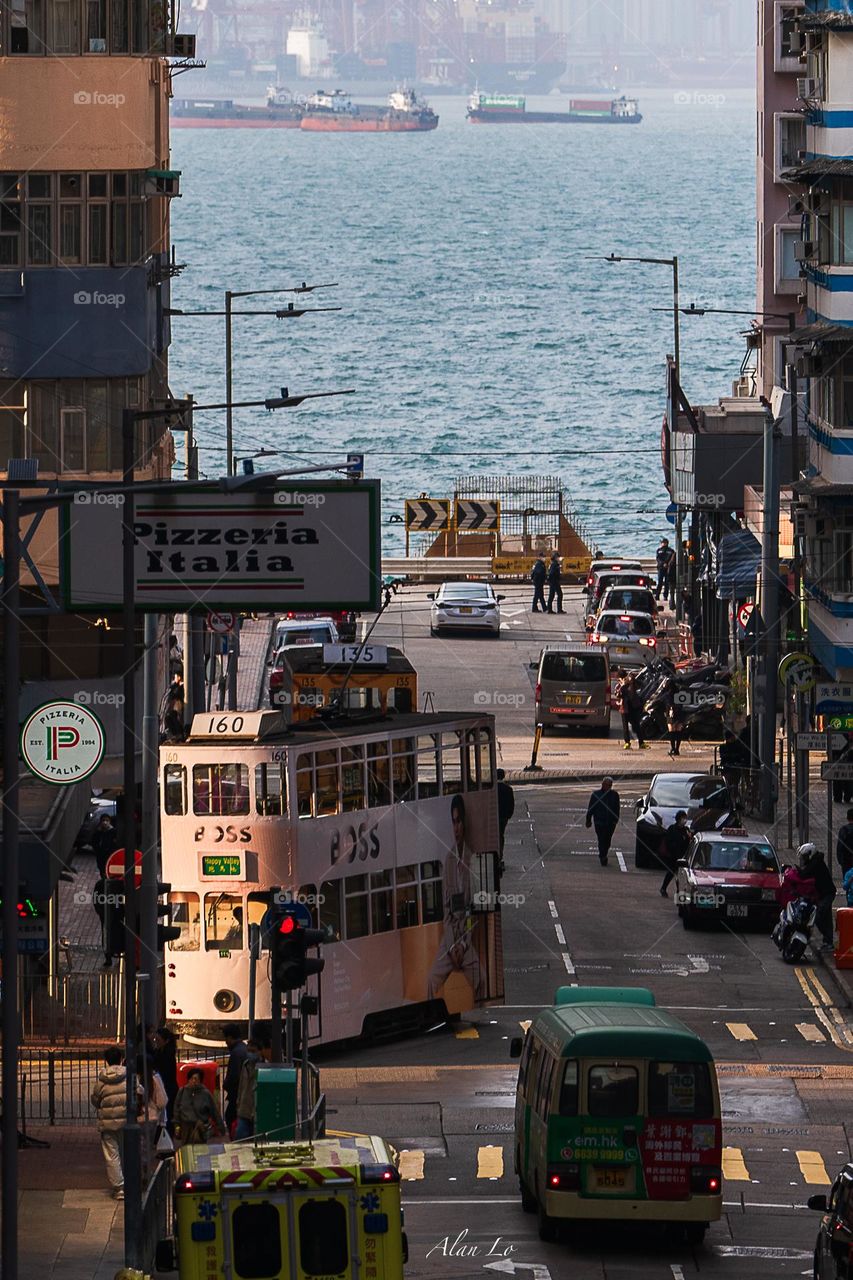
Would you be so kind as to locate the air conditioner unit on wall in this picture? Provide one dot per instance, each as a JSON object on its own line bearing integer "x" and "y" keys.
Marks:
{"x": 810, "y": 366}
{"x": 808, "y": 87}
{"x": 804, "y": 250}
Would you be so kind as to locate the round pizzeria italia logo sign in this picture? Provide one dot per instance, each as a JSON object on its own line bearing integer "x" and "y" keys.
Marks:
{"x": 62, "y": 742}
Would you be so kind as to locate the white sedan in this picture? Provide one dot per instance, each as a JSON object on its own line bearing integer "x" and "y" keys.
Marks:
{"x": 630, "y": 637}
{"x": 462, "y": 605}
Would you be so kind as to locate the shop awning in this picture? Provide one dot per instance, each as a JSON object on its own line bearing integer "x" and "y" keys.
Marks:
{"x": 738, "y": 562}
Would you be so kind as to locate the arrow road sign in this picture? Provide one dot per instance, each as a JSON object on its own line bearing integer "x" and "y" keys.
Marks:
{"x": 817, "y": 741}
{"x": 427, "y": 514}
{"x": 471, "y": 515}
{"x": 836, "y": 771}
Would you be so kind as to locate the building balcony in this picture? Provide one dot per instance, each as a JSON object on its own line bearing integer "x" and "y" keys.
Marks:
{"x": 84, "y": 322}
{"x": 831, "y": 632}
{"x": 829, "y": 293}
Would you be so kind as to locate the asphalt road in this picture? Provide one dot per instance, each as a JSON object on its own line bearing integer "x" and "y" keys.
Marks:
{"x": 782, "y": 1038}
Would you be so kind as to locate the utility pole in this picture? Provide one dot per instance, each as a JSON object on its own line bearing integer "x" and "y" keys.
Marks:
{"x": 150, "y": 754}
{"x": 11, "y": 835}
{"x": 195, "y": 656}
{"x": 132, "y": 1156}
{"x": 770, "y": 614}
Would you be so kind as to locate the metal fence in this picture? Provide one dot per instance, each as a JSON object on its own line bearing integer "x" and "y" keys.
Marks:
{"x": 157, "y": 1212}
{"x": 71, "y": 1007}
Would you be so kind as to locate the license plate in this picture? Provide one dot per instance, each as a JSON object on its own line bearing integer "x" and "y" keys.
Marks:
{"x": 465, "y": 609}
{"x": 573, "y": 699}
{"x": 622, "y": 648}
{"x": 737, "y": 909}
{"x": 615, "y": 1181}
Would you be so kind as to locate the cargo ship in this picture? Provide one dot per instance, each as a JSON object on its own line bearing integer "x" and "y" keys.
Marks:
{"x": 282, "y": 111}
{"x": 497, "y": 108}
{"x": 335, "y": 113}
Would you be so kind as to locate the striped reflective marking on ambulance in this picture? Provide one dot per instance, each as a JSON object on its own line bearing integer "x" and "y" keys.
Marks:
{"x": 268, "y": 1178}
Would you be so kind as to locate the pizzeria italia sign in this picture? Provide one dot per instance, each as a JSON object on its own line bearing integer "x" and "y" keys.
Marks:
{"x": 314, "y": 548}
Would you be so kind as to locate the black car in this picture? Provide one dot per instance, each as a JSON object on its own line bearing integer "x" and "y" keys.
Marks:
{"x": 833, "y": 1253}
{"x": 705, "y": 799}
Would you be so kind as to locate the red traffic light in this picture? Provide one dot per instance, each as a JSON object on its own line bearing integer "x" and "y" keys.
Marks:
{"x": 288, "y": 925}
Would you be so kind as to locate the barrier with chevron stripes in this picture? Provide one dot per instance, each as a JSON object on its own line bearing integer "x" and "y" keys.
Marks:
{"x": 474, "y": 514}
{"x": 427, "y": 515}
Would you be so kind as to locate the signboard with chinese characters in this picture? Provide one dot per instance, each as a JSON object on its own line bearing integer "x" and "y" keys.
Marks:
{"x": 834, "y": 697}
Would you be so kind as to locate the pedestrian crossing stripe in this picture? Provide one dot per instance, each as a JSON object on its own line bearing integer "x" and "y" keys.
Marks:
{"x": 813, "y": 1169}
{"x": 411, "y": 1166}
{"x": 741, "y": 1031}
{"x": 810, "y": 1032}
{"x": 467, "y": 1033}
{"x": 490, "y": 1162}
{"x": 734, "y": 1167}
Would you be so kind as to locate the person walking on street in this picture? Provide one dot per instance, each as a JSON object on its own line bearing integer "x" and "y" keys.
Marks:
{"x": 555, "y": 591}
{"x": 538, "y": 575}
{"x": 246, "y": 1092}
{"x": 109, "y": 1098}
{"x": 506, "y": 808}
{"x": 164, "y": 1059}
{"x": 238, "y": 1052}
{"x": 844, "y": 845}
{"x": 675, "y": 844}
{"x": 630, "y": 706}
{"x": 675, "y": 724}
{"x": 103, "y": 843}
{"x": 664, "y": 558}
{"x": 603, "y": 814}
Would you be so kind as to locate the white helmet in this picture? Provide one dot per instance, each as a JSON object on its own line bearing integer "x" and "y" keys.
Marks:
{"x": 805, "y": 853}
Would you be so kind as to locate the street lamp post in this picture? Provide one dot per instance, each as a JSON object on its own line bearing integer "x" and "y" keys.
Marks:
{"x": 672, "y": 263}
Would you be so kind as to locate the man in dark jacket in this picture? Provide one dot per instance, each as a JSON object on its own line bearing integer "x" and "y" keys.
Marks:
{"x": 676, "y": 842}
{"x": 603, "y": 814}
{"x": 555, "y": 591}
{"x": 844, "y": 847}
{"x": 238, "y": 1052}
{"x": 664, "y": 558}
{"x": 103, "y": 842}
{"x": 506, "y": 808}
{"x": 537, "y": 576}
{"x": 825, "y": 890}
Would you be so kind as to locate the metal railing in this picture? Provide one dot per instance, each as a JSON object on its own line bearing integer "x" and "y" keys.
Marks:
{"x": 157, "y": 1212}
{"x": 70, "y": 1007}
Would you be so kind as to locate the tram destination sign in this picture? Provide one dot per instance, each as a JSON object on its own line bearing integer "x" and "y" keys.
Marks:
{"x": 314, "y": 546}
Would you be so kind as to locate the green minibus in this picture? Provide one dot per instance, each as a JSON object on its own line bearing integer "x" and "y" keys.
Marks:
{"x": 617, "y": 1115}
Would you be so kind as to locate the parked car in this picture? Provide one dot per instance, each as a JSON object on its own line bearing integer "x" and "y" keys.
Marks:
{"x": 464, "y": 605}
{"x": 605, "y": 579}
{"x": 573, "y": 688}
{"x": 705, "y": 799}
{"x": 834, "y": 1246}
{"x": 729, "y": 876}
{"x": 630, "y": 638}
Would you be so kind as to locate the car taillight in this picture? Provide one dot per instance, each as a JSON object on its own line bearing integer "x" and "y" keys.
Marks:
{"x": 566, "y": 1178}
{"x": 595, "y": 637}
{"x": 705, "y": 1181}
{"x": 194, "y": 1182}
{"x": 648, "y": 641}
{"x": 538, "y": 693}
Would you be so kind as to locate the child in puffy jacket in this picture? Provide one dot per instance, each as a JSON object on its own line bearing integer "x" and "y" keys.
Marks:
{"x": 847, "y": 885}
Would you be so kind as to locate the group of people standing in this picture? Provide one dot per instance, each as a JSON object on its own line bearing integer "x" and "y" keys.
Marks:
{"x": 549, "y": 573}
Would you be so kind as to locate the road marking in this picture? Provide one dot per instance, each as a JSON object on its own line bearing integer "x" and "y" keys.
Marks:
{"x": 825, "y": 1012}
{"x": 813, "y": 1169}
{"x": 467, "y": 1033}
{"x": 810, "y": 1032}
{"x": 552, "y": 907}
{"x": 741, "y": 1031}
{"x": 760, "y": 1251}
{"x": 526, "y": 1025}
{"x": 561, "y": 937}
{"x": 620, "y": 858}
{"x": 734, "y": 1169}
{"x": 567, "y": 961}
{"x": 677, "y": 1272}
{"x": 411, "y": 1166}
{"x": 699, "y": 963}
{"x": 490, "y": 1162}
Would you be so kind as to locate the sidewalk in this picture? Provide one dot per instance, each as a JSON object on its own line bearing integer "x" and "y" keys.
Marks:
{"x": 67, "y": 1233}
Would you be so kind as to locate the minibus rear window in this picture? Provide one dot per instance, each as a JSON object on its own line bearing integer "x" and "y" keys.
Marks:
{"x": 680, "y": 1089}
{"x": 257, "y": 1241}
{"x": 569, "y": 1090}
{"x": 613, "y": 1091}
{"x": 584, "y": 668}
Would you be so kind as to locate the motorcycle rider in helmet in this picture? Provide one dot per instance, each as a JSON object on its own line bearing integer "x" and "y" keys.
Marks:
{"x": 812, "y": 866}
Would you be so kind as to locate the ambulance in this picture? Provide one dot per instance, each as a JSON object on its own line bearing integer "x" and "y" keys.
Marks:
{"x": 322, "y": 1210}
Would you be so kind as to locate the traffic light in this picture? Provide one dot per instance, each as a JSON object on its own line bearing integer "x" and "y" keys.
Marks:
{"x": 167, "y": 932}
{"x": 291, "y": 964}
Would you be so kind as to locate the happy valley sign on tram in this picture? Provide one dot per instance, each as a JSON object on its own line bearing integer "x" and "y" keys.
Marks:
{"x": 307, "y": 546}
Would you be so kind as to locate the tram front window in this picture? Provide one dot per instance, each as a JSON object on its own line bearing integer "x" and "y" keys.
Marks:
{"x": 223, "y": 922}
{"x": 270, "y": 790}
{"x": 220, "y": 789}
{"x": 186, "y": 916}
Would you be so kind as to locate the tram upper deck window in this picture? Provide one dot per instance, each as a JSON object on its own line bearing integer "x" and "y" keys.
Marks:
{"x": 403, "y": 769}
{"x": 352, "y": 778}
{"x": 428, "y": 758}
{"x": 223, "y": 922}
{"x": 174, "y": 790}
{"x": 378, "y": 775}
{"x": 432, "y": 898}
{"x": 304, "y": 785}
{"x": 270, "y": 790}
{"x": 330, "y": 906}
{"x": 381, "y": 898}
{"x": 327, "y": 800}
{"x": 187, "y": 917}
{"x": 220, "y": 789}
{"x": 407, "y": 897}
{"x": 451, "y": 763}
{"x": 478, "y": 758}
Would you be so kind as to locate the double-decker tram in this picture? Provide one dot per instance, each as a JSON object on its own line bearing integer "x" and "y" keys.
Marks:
{"x": 385, "y": 828}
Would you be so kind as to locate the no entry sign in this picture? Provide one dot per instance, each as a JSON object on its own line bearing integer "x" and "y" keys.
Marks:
{"x": 115, "y": 866}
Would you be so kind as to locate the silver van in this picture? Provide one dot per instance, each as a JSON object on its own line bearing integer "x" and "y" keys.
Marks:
{"x": 573, "y": 688}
